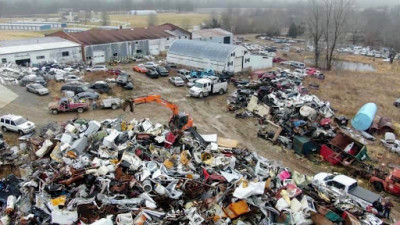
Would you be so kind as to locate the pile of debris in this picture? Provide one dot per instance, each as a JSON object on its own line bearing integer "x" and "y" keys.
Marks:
{"x": 13, "y": 74}
{"x": 139, "y": 172}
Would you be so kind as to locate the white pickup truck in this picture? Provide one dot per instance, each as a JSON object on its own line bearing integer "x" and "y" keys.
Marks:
{"x": 206, "y": 86}
{"x": 341, "y": 185}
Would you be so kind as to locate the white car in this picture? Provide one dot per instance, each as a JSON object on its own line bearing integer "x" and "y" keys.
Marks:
{"x": 97, "y": 68}
{"x": 17, "y": 124}
{"x": 37, "y": 89}
{"x": 150, "y": 65}
{"x": 177, "y": 81}
{"x": 59, "y": 77}
{"x": 71, "y": 78}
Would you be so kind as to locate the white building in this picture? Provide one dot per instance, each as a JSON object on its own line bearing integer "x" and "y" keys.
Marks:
{"x": 216, "y": 35}
{"x": 142, "y": 12}
{"x": 208, "y": 55}
{"x": 40, "y": 50}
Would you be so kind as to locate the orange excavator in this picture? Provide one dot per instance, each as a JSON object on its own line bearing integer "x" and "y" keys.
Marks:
{"x": 178, "y": 122}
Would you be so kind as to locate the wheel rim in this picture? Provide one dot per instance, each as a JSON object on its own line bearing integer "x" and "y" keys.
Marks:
{"x": 4, "y": 129}
{"x": 80, "y": 110}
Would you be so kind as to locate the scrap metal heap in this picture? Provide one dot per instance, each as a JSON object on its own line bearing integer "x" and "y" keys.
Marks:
{"x": 139, "y": 172}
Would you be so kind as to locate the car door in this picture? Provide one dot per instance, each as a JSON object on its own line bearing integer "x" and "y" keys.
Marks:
{"x": 7, "y": 124}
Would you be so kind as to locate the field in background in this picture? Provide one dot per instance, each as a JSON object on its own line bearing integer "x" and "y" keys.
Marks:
{"x": 184, "y": 20}
{"x": 12, "y": 35}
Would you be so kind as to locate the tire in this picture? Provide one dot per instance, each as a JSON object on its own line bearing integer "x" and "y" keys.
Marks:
{"x": 114, "y": 106}
{"x": 378, "y": 186}
{"x": 221, "y": 91}
{"x": 54, "y": 111}
{"x": 4, "y": 129}
{"x": 201, "y": 95}
{"x": 20, "y": 132}
{"x": 80, "y": 110}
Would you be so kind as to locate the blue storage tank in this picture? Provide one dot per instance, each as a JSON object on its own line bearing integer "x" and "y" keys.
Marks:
{"x": 365, "y": 116}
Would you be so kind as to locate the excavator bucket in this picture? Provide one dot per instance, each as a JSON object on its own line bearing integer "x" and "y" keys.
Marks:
{"x": 127, "y": 103}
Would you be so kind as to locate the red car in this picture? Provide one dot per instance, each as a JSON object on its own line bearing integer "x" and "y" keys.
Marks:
{"x": 140, "y": 69}
{"x": 115, "y": 72}
{"x": 278, "y": 60}
{"x": 311, "y": 71}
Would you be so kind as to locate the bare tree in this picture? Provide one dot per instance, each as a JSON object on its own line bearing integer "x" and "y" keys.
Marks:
{"x": 315, "y": 27}
{"x": 336, "y": 14}
{"x": 391, "y": 36}
{"x": 152, "y": 19}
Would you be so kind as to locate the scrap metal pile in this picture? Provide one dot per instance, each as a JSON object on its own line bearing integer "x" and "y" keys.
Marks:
{"x": 12, "y": 74}
{"x": 139, "y": 172}
{"x": 285, "y": 106}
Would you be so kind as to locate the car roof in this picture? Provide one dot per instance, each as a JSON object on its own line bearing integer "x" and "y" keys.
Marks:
{"x": 343, "y": 179}
{"x": 11, "y": 117}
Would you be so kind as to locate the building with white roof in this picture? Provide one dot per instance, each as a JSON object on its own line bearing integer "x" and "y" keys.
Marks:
{"x": 216, "y": 35}
{"x": 40, "y": 50}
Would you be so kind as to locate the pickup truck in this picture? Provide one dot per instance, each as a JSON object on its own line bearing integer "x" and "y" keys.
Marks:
{"x": 341, "y": 185}
{"x": 64, "y": 105}
{"x": 206, "y": 86}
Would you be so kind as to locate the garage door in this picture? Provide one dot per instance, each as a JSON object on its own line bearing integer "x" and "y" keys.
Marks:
{"x": 99, "y": 57}
{"x": 238, "y": 64}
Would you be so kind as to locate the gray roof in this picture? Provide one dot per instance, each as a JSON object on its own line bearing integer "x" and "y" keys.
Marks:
{"x": 201, "y": 49}
{"x": 214, "y": 32}
{"x": 34, "y": 44}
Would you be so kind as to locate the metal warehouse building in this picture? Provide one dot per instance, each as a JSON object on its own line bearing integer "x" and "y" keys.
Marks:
{"x": 216, "y": 35}
{"x": 100, "y": 46}
{"x": 27, "y": 27}
{"x": 39, "y": 50}
{"x": 208, "y": 55}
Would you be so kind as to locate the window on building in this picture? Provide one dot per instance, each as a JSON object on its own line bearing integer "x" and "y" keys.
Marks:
{"x": 137, "y": 42}
{"x": 40, "y": 57}
{"x": 185, "y": 37}
{"x": 233, "y": 54}
{"x": 180, "y": 37}
{"x": 88, "y": 58}
{"x": 245, "y": 52}
{"x": 115, "y": 54}
{"x": 247, "y": 60}
{"x": 65, "y": 54}
{"x": 138, "y": 51}
{"x": 230, "y": 63}
{"x": 167, "y": 39}
{"x": 210, "y": 38}
{"x": 3, "y": 60}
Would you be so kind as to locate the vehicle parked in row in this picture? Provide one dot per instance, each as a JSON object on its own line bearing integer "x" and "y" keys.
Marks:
{"x": 32, "y": 79}
{"x": 37, "y": 89}
{"x": 342, "y": 185}
{"x": 177, "y": 81}
{"x": 59, "y": 77}
{"x": 170, "y": 66}
{"x": 64, "y": 105}
{"x": 97, "y": 68}
{"x": 206, "y": 86}
{"x": 140, "y": 69}
{"x": 101, "y": 87}
{"x": 115, "y": 72}
{"x": 76, "y": 88}
{"x": 111, "y": 102}
{"x": 72, "y": 78}
{"x": 298, "y": 65}
{"x": 152, "y": 74}
{"x": 162, "y": 71}
{"x": 150, "y": 65}
{"x": 16, "y": 123}
{"x": 184, "y": 73}
{"x": 123, "y": 79}
{"x": 87, "y": 95}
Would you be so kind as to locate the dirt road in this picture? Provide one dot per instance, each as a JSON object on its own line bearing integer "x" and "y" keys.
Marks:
{"x": 209, "y": 116}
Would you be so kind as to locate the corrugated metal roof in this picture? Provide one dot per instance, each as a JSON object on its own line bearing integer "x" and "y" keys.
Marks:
{"x": 34, "y": 44}
{"x": 214, "y": 32}
{"x": 20, "y": 25}
{"x": 201, "y": 49}
{"x": 93, "y": 37}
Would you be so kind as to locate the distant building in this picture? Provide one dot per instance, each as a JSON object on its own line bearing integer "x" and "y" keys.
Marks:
{"x": 101, "y": 46}
{"x": 53, "y": 25}
{"x": 208, "y": 55}
{"x": 142, "y": 12}
{"x": 32, "y": 26}
{"x": 216, "y": 35}
{"x": 40, "y": 50}
{"x": 75, "y": 29}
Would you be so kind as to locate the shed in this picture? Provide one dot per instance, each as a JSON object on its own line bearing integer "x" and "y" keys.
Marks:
{"x": 216, "y": 35}
{"x": 208, "y": 55}
{"x": 39, "y": 50}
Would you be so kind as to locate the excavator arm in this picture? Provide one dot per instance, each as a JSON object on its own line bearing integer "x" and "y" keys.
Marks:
{"x": 178, "y": 121}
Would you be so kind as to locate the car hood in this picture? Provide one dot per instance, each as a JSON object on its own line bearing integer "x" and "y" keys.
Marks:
{"x": 318, "y": 178}
{"x": 195, "y": 89}
{"x": 27, "y": 125}
{"x": 42, "y": 90}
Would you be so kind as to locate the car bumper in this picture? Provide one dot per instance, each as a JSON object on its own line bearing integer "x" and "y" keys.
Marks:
{"x": 179, "y": 84}
{"x": 29, "y": 130}
{"x": 194, "y": 94}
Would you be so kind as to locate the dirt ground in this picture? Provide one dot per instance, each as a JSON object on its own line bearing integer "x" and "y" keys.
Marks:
{"x": 209, "y": 114}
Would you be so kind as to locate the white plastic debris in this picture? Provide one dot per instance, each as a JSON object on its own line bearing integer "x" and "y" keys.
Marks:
{"x": 44, "y": 149}
{"x": 253, "y": 188}
{"x": 63, "y": 216}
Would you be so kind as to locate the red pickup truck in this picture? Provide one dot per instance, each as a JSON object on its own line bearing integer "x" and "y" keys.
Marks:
{"x": 64, "y": 105}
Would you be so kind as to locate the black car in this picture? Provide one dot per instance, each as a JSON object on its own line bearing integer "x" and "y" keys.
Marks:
{"x": 123, "y": 79}
{"x": 76, "y": 88}
{"x": 171, "y": 66}
{"x": 101, "y": 87}
{"x": 162, "y": 71}
{"x": 32, "y": 79}
{"x": 152, "y": 73}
